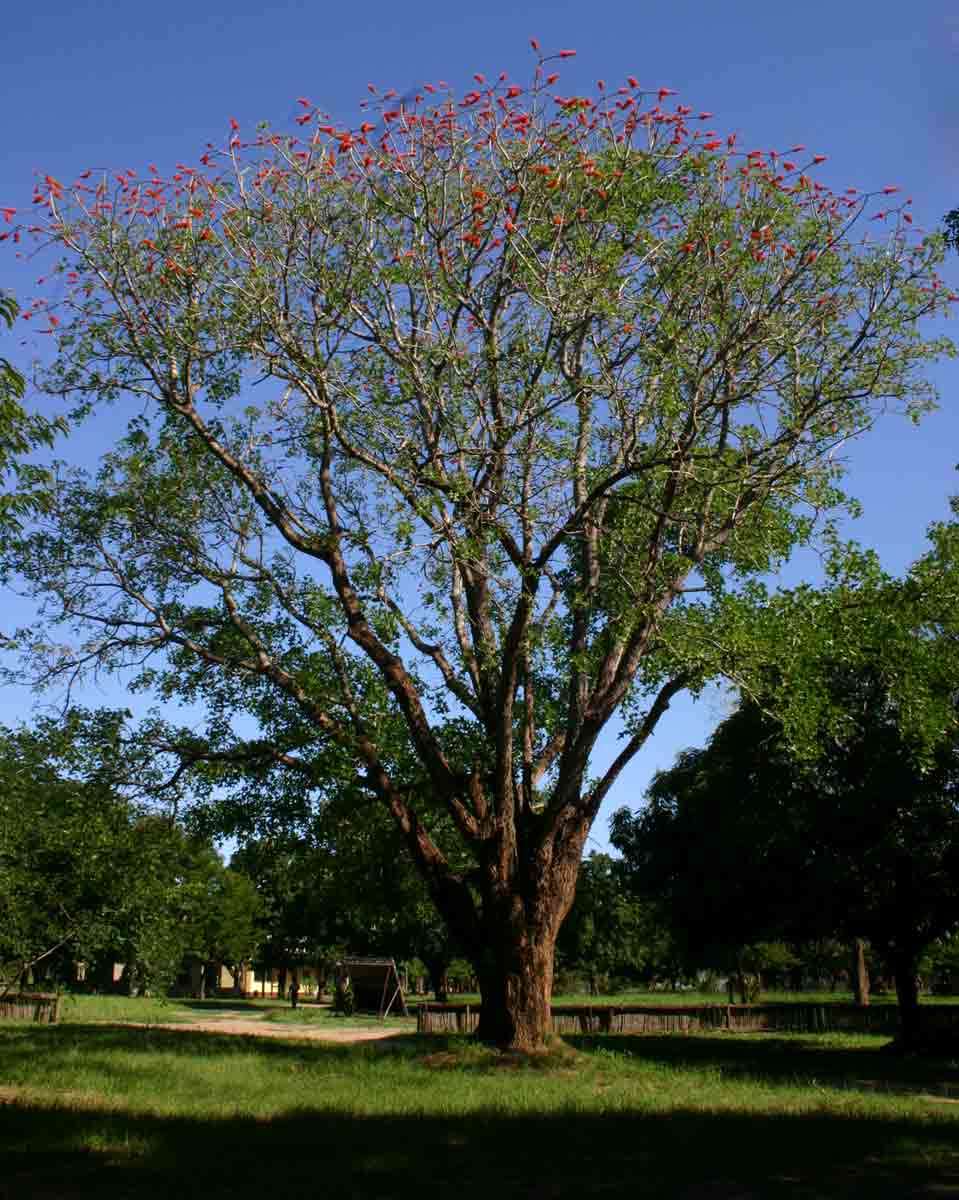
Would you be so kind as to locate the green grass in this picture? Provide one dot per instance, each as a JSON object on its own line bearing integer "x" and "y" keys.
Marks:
{"x": 83, "y": 1009}
{"x": 149, "y": 1113}
{"x": 324, "y": 1017}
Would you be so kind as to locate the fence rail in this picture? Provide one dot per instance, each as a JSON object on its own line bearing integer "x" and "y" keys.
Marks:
{"x": 43, "y": 1009}
{"x": 803, "y": 1017}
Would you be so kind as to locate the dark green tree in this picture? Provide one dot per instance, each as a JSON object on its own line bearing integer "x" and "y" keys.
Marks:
{"x": 85, "y": 872}
{"x": 951, "y": 222}
{"x": 611, "y": 935}
{"x": 745, "y": 841}
{"x": 225, "y": 911}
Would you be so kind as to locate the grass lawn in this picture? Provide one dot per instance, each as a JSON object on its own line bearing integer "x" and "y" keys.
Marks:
{"x": 89, "y": 1109}
{"x": 84, "y": 1010}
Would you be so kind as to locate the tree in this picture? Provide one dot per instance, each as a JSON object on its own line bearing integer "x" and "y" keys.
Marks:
{"x": 85, "y": 874}
{"x": 610, "y": 934}
{"x": 226, "y": 909}
{"x": 543, "y": 377}
{"x": 722, "y": 846}
{"x": 57, "y": 838}
{"x": 337, "y": 885}
{"x": 744, "y": 840}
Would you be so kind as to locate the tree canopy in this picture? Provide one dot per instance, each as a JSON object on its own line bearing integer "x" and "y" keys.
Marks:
{"x": 85, "y": 873}
{"x": 446, "y": 434}
{"x": 745, "y": 840}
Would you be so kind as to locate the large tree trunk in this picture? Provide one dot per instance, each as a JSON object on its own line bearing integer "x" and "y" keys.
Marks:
{"x": 516, "y": 989}
{"x": 515, "y": 969}
{"x": 860, "y": 976}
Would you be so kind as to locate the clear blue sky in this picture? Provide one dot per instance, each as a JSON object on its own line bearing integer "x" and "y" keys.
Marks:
{"x": 875, "y": 86}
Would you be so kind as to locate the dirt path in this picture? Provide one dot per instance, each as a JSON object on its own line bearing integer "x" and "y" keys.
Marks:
{"x": 257, "y": 1027}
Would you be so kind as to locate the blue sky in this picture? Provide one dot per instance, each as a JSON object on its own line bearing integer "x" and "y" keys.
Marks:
{"x": 873, "y": 86}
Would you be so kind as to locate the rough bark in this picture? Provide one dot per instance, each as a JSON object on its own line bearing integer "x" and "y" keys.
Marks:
{"x": 516, "y": 991}
{"x": 860, "y": 975}
{"x": 515, "y": 970}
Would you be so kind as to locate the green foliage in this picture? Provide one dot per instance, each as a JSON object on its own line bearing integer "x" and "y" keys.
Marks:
{"x": 59, "y": 835}
{"x": 224, "y": 911}
{"x": 858, "y": 836}
{"x": 22, "y": 483}
{"x": 88, "y": 875}
{"x": 611, "y": 935}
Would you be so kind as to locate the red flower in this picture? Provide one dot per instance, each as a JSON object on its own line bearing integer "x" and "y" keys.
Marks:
{"x": 713, "y": 145}
{"x": 567, "y": 53}
{"x": 552, "y": 78}
{"x": 704, "y": 116}
{"x": 514, "y": 91}
{"x": 632, "y": 81}
{"x": 234, "y": 124}
{"x": 819, "y": 158}
{"x": 7, "y": 214}
{"x": 479, "y": 78}
{"x": 664, "y": 92}
{"x": 534, "y": 43}
{"x": 888, "y": 191}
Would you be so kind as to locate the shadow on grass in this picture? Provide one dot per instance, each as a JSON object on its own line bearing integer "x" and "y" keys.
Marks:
{"x": 684, "y": 1155}
{"x": 69, "y": 1153}
{"x": 103, "y": 1043}
{"x": 780, "y": 1060}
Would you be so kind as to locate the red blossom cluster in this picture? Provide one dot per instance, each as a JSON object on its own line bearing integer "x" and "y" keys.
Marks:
{"x": 197, "y": 210}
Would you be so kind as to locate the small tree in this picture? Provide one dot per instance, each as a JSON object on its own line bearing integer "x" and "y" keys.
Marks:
{"x": 536, "y": 368}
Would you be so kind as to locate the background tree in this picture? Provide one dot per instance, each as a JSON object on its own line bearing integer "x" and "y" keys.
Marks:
{"x": 335, "y": 885}
{"x": 610, "y": 937}
{"x": 58, "y": 837}
{"x": 749, "y": 840}
{"x": 535, "y": 371}
{"x": 225, "y": 911}
{"x": 85, "y": 874}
